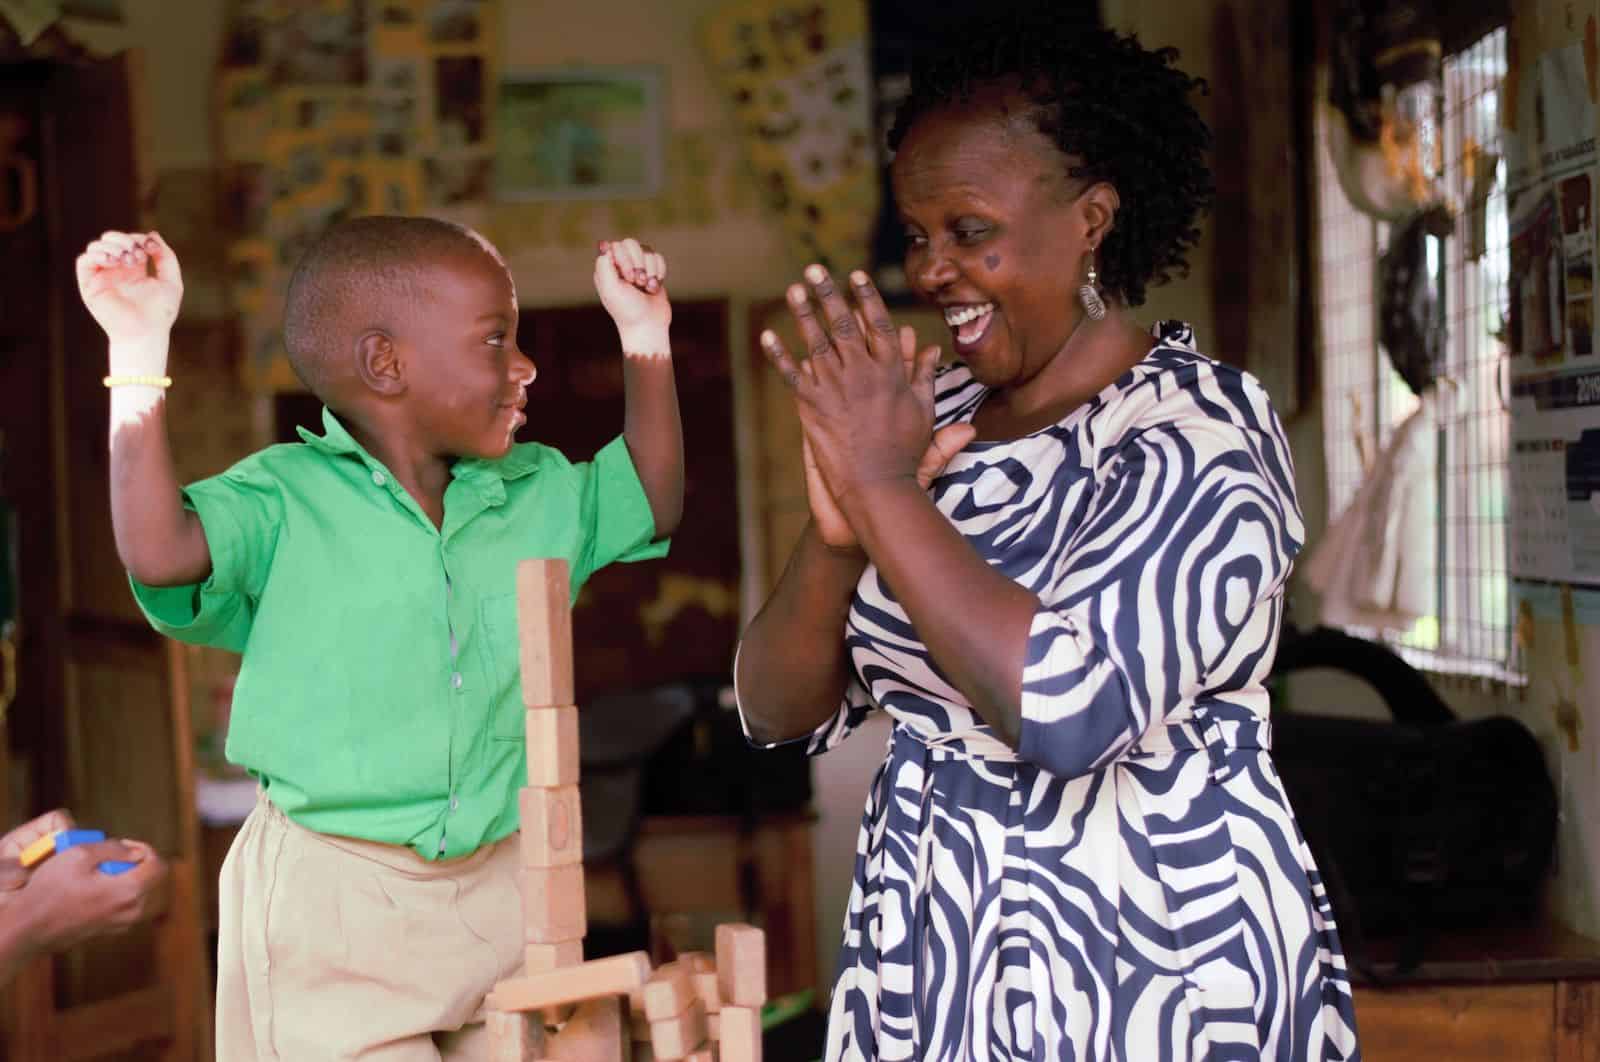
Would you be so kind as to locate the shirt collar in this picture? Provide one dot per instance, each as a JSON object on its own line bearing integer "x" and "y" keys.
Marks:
{"x": 336, "y": 440}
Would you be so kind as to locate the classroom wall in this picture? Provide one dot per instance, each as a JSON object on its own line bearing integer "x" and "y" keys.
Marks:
{"x": 741, "y": 252}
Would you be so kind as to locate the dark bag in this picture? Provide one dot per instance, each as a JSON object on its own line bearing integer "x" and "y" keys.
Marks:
{"x": 1420, "y": 824}
{"x": 707, "y": 767}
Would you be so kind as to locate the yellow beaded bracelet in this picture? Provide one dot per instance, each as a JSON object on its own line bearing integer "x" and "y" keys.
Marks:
{"x": 138, "y": 381}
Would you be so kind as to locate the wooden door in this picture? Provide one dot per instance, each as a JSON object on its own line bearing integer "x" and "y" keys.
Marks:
{"x": 98, "y": 724}
{"x": 640, "y": 625}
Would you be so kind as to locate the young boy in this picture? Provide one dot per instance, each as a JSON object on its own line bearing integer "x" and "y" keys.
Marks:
{"x": 367, "y": 575}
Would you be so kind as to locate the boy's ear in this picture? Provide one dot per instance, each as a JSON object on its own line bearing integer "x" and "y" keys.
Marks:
{"x": 378, "y": 363}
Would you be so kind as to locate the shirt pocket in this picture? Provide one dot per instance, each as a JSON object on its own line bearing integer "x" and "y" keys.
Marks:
{"x": 497, "y": 642}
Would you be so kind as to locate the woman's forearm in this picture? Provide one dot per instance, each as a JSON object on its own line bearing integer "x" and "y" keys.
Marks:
{"x": 793, "y": 666}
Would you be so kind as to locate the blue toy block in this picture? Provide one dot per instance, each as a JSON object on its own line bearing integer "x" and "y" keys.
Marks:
{"x": 66, "y": 839}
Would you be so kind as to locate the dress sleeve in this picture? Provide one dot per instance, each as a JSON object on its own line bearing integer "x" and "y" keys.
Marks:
{"x": 1172, "y": 583}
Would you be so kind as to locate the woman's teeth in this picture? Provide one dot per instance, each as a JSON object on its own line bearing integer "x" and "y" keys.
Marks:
{"x": 969, "y": 322}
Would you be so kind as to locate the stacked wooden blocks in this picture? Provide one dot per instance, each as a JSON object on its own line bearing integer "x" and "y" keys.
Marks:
{"x": 698, "y": 1009}
{"x": 554, "y": 910}
{"x": 693, "y": 1008}
{"x": 555, "y": 915}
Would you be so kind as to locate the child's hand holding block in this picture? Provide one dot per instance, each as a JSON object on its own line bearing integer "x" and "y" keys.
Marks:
{"x": 61, "y": 840}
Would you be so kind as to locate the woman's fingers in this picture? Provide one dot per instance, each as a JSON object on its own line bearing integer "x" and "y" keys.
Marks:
{"x": 813, "y": 334}
{"x": 843, "y": 335}
{"x": 883, "y": 339}
{"x": 781, "y": 360}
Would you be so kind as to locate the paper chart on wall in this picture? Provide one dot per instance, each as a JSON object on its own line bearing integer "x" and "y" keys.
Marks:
{"x": 1550, "y": 193}
{"x": 1553, "y": 371}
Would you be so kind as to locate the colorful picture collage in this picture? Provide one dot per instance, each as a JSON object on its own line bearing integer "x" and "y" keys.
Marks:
{"x": 798, "y": 75}
{"x": 335, "y": 108}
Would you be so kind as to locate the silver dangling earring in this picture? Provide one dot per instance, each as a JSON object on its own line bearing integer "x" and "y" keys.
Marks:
{"x": 1089, "y": 294}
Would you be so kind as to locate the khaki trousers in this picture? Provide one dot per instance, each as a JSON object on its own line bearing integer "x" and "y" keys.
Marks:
{"x": 331, "y": 948}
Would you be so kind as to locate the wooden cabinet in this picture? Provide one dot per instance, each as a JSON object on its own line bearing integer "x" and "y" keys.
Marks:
{"x": 100, "y": 722}
{"x": 1529, "y": 995}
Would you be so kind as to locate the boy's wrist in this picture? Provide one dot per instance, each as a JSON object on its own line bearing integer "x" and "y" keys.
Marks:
{"x": 145, "y": 356}
{"x": 645, "y": 339}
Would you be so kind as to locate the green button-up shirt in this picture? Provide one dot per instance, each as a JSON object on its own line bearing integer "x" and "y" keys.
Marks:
{"x": 378, "y": 695}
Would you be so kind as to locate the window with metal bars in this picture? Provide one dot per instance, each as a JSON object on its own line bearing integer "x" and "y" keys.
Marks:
{"x": 1467, "y": 629}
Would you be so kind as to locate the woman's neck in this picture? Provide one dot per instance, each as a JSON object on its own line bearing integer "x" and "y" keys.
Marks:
{"x": 1095, "y": 355}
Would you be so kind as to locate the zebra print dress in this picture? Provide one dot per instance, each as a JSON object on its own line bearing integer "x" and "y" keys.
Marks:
{"x": 1129, "y": 884}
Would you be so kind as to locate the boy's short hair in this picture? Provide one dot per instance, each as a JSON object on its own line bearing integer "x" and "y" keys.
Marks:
{"x": 360, "y": 275}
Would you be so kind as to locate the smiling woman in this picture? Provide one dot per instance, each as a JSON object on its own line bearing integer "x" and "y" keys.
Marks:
{"x": 1059, "y": 565}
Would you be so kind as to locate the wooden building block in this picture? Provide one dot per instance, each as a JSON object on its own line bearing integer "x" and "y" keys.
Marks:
{"x": 741, "y": 1034}
{"x": 707, "y": 990}
{"x": 552, "y": 746}
{"x": 696, "y": 961}
{"x": 742, "y": 964}
{"x": 714, "y": 1027}
{"x": 705, "y": 1054}
{"x": 552, "y": 826}
{"x": 639, "y": 1027}
{"x": 677, "y": 1036}
{"x": 594, "y": 1033}
{"x": 544, "y": 629}
{"x": 667, "y": 993}
{"x": 614, "y": 976}
{"x": 538, "y": 958}
{"x": 515, "y": 1037}
{"x": 553, "y": 905}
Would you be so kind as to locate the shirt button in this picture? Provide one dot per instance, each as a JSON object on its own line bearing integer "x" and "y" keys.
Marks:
{"x": 378, "y": 478}
{"x": 441, "y": 846}
{"x": 455, "y": 802}
{"x": 455, "y": 680}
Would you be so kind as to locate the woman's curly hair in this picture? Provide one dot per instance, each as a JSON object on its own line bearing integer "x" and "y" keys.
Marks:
{"x": 1120, "y": 112}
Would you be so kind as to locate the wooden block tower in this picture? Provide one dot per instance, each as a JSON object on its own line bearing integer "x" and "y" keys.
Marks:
{"x": 689, "y": 1009}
